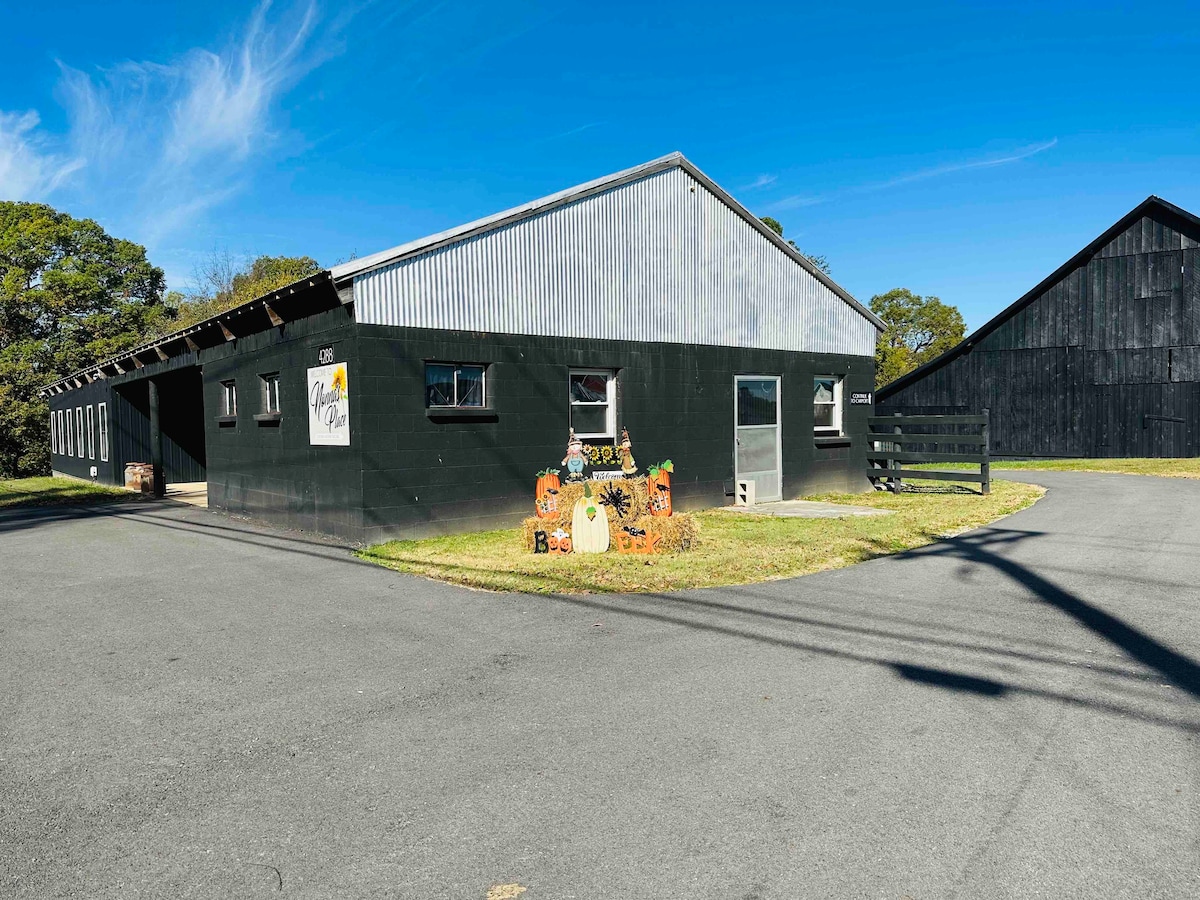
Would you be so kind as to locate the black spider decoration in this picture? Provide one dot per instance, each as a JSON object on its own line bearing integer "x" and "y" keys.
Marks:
{"x": 617, "y": 500}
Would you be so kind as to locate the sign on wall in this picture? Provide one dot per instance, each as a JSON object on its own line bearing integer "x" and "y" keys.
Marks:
{"x": 329, "y": 406}
{"x": 861, "y": 398}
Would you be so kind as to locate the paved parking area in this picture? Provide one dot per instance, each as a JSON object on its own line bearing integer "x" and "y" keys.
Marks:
{"x": 192, "y": 707}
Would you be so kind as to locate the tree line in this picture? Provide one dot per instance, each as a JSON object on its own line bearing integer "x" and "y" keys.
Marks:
{"x": 71, "y": 295}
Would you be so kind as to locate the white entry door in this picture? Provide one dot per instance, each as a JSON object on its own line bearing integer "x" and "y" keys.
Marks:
{"x": 758, "y": 448}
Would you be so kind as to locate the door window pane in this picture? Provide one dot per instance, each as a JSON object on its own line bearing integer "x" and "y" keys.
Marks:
{"x": 757, "y": 402}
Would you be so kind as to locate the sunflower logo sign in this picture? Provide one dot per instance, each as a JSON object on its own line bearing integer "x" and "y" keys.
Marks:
{"x": 329, "y": 406}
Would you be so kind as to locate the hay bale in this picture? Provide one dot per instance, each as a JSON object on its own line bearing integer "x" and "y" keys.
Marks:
{"x": 678, "y": 532}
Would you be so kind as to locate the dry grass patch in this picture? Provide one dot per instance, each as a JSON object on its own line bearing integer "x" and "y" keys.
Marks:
{"x": 732, "y": 549}
{"x": 47, "y": 491}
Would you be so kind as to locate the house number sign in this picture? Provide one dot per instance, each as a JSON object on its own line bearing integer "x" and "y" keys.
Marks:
{"x": 325, "y": 356}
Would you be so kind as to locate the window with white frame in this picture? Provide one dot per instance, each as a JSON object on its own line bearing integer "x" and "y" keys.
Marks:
{"x": 70, "y": 433}
{"x": 593, "y": 402}
{"x": 53, "y": 433}
{"x": 270, "y": 387}
{"x": 229, "y": 398}
{"x": 455, "y": 385}
{"x": 102, "y": 411}
{"x": 79, "y": 431}
{"x": 91, "y": 432}
{"x": 827, "y": 404}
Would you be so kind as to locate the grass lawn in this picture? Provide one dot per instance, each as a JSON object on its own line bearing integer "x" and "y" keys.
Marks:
{"x": 733, "y": 549}
{"x": 1170, "y": 468}
{"x": 49, "y": 491}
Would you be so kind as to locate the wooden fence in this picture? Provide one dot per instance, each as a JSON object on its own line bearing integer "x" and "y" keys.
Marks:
{"x": 898, "y": 440}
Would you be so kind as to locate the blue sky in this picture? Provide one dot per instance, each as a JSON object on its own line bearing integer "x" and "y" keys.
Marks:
{"x": 961, "y": 150}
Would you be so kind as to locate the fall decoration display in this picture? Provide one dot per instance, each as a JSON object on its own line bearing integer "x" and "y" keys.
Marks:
{"x": 658, "y": 487}
{"x": 589, "y": 523}
{"x": 547, "y": 493}
{"x": 628, "y": 466}
{"x": 677, "y": 533}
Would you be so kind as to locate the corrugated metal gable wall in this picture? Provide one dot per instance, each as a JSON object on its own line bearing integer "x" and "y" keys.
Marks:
{"x": 646, "y": 261}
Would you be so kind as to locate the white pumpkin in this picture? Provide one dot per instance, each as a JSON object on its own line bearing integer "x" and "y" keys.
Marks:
{"x": 589, "y": 524}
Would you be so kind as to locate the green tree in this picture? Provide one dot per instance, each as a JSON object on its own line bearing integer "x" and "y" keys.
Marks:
{"x": 70, "y": 295}
{"x": 918, "y": 330}
{"x": 819, "y": 261}
{"x": 222, "y": 285}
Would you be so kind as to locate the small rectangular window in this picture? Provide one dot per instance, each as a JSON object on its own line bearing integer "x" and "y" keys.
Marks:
{"x": 91, "y": 432}
{"x": 455, "y": 385}
{"x": 79, "y": 430}
{"x": 592, "y": 397}
{"x": 53, "y": 434}
{"x": 270, "y": 384}
{"x": 103, "y": 410}
{"x": 229, "y": 398}
{"x": 827, "y": 404}
{"x": 70, "y": 433}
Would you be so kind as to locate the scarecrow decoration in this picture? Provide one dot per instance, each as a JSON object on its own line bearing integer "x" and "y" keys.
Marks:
{"x": 574, "y": 460}
{"x": 628, "y": 466}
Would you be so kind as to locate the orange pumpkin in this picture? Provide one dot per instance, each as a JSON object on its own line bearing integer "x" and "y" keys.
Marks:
{"x": 547, "y": 494}
{"x": 658, "y": 485}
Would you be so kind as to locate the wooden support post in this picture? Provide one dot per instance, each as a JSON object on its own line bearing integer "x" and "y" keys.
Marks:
{"x": 985, "y": 467}
{"x": 191, "y": 345}
{"x": 229, "y": 335}
{"x": 275, "y": 318}
{"x": 156, "y": 456}
{"x": 897, "y": 485}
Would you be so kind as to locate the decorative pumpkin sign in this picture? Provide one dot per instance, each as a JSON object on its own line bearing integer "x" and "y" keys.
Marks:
{"x": 558, "y": 542}
{"x": 589, "y": 524}
{"x": 658, "y": 486}
{"x": 547, "y": 493}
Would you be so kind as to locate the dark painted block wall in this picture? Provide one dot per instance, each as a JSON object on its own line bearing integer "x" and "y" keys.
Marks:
{"x": 426, "y": 475}
{"x": 1105, "y": 362}
{"x": 128, "y": 409}
{"x": 268, "y": 469}
{"x": 75, "y": 464}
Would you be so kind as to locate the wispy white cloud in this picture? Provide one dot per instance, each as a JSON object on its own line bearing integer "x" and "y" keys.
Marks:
{"x": 801, "y": 200}
{"x": 30, "y": 168}
{"x": 761, "y": 181}
{"x": 989, "y": 162}
{"x": 159, "y": 144}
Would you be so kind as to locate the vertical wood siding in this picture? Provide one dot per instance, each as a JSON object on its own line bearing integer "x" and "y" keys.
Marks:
{"x": 1094, "y": 366}
{"x": 657, "y": 259}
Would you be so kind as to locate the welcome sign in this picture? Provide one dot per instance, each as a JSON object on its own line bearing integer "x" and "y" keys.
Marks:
{"x": 329, "y": 406}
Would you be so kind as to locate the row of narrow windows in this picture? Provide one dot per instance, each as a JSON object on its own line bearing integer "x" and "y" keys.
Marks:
{"x": 73, "y": 432}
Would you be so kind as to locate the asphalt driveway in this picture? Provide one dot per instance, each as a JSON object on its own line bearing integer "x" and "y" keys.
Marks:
{"x": 191, "y": 707}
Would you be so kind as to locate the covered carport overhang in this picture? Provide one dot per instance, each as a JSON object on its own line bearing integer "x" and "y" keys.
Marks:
{"x": 298, "y": 300}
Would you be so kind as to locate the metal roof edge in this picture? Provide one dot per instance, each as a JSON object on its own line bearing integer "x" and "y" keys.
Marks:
{"x": 375, "y": 261}
{"x": 182, "y": 333}
{"x": 1031, "y": 295}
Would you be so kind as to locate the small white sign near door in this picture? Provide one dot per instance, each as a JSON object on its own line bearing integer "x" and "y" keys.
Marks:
{"x": 329, "y": 406}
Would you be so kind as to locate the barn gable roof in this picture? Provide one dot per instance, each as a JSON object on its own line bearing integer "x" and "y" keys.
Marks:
{"x": 264, "y": 312}
{"x": 1151, "y": 205}
{"x": 345, "y": 272}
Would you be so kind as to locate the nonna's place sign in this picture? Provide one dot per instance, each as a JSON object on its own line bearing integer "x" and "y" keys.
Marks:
{"x": 329, "y": 406}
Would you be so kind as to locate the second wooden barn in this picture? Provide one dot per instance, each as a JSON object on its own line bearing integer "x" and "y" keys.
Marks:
{"x": 1102, "y": 359}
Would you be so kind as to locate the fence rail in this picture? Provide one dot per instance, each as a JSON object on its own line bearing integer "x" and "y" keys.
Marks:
{"x": 888, "y": 450}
